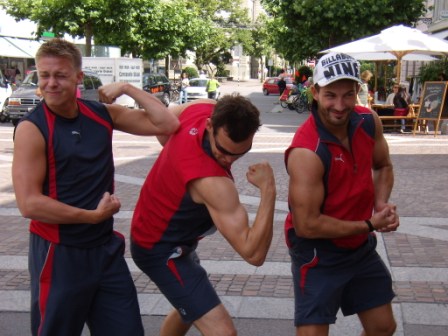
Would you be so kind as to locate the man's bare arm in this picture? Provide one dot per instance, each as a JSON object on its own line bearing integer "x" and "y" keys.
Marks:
{"x": 28, "y": 174}
{"x": 220, "y": 196}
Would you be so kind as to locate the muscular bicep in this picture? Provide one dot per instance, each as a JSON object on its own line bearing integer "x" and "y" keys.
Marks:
{"x": 221, "y": 198}
{"x": 381, "y": 157}
{"x": 29, "y": 163}
{"x": 383, "y": 175}
{"x": 306, "y": 190}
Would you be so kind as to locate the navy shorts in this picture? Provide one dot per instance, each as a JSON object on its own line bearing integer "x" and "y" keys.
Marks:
{"x": 180, "y": 277}
{"x": 327, "y": 278}
{"x": 72, "y": 286}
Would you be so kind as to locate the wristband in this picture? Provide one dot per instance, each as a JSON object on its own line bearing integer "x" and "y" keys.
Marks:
{"x": 370, "y": 225}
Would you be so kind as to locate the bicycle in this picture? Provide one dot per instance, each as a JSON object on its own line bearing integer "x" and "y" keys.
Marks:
{"x": 298, "y": 102}
{"x": 175, "y": 92}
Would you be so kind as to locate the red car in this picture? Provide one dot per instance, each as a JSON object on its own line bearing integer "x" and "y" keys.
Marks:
{"x": 270, "y": 85}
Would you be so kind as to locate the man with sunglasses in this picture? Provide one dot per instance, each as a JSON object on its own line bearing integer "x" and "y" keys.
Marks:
{"x": 188, "y": 194}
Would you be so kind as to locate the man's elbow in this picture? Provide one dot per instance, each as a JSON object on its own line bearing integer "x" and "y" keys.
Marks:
{"x": 257, "y": 259}
{"x": 305, "y": 231}
{"x": 26, "y": 210}
{"x": 28, "y": 206}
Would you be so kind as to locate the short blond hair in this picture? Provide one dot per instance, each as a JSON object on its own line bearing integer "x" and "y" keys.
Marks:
{"x": 58, "y": 47}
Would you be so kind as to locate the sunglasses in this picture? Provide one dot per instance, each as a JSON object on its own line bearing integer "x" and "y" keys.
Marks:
{"x": 226, "y": 152}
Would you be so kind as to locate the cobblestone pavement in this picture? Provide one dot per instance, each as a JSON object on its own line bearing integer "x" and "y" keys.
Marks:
{"x": 417, "y": 254}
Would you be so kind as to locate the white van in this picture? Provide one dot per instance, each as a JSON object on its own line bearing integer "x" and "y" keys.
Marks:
{"x": 5, "y": 92}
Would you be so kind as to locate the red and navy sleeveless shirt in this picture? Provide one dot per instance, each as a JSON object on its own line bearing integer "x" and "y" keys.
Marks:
{"x": 165, "y": 214}
{"x": 80, "y": 169}
{"x": 348, "y": 182}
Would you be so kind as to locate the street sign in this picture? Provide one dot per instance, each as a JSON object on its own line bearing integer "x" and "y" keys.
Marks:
{"x": 47, "y": 34}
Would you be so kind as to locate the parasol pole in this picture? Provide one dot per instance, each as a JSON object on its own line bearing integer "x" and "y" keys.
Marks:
{"x": 399, "y": 55}
{"x": 399, "y": 69}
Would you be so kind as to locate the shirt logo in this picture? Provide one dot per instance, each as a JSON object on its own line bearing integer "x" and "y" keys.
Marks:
{"x": 339, "y": 158}
{"x": 194, "y": 131}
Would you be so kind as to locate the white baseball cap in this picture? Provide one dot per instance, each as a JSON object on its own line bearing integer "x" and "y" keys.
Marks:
{"x": 336, "y": 66}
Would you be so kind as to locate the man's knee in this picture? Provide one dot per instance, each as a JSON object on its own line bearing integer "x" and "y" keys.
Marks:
{"x": 386, "y": 328}
{"x": 219, "y": 329}
{"x": 228, "y": 331}
{"x": 216, "y": 322}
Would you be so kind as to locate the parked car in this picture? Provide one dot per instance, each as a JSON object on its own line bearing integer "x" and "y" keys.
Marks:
{"x": 5, "y": 92}
{"x": 158, "y": 85}
{"x": 270, "y": 85}
{"x": 24, "y": 99}
{"x": 198, "y": 89}
{"x": 29, "y": 69}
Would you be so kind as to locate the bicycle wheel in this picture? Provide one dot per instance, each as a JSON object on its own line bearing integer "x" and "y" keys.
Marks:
{"x": 302, "y": 104}
{"x": 298, "y": 104}
{"x": 283, "y": 103}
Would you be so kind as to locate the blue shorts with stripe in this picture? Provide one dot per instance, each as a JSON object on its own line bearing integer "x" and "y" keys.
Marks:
{"x": 328, "y": 278}
{"x": 72, "y": 286}
{"x": 179, "y": 276}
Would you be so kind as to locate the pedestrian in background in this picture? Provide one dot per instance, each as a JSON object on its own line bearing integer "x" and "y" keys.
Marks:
{"x": 212, "y": 88}
{"x": 281, "y": 81}
{"x": 363, "y": 94}
{"x": 178, "y": 207}
{"x": 390, "y": 96}
{"x": 63, "y": 177}
{"x": 183, "y": 88}
{"x": 401, "y": 106}
{"x": 341, "y": 178}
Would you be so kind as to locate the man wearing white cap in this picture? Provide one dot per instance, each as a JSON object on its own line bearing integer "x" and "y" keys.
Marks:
{"x": 341, "y": 177}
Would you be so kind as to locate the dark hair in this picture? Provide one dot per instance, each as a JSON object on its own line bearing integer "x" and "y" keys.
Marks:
{"x": 381, "y": 93}
{"x": 58, "y": 47}
{"x": 237, "y": 115}
{"x": 401, "y": 97}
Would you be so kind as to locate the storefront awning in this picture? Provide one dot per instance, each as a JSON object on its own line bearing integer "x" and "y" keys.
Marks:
{"x": 18, "y": 48}
{"x": 443, "y": 34}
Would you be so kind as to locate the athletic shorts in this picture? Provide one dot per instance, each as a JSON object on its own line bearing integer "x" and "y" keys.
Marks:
{"x": 179, "y": 276}
{"x": 73, "y": 286}
{"x": 327, "y": 278}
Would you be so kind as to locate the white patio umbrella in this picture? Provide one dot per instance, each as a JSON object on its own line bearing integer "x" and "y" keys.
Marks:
{"x": 387, "y": 56}
{"x": 397, "y": 40}
{"x": 379, "y": 57}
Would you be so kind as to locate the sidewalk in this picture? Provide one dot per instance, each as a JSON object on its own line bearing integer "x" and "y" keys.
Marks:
{"x": 261, "y": 299}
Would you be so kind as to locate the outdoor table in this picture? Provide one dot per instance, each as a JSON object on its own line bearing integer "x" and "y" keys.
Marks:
{"x": 392, "y": 121}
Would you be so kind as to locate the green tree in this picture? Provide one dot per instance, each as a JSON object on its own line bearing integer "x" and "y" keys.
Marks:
{"x": 84, "y": 18}
{"x": 261, "y": 42}
{"x": 191, "y": 72}
{"x": 302, "y": 28}
{"x": 432, "y": 70}
{"x": 227, "y": 23}
{"x": 158, "y": 29}
{"x": 143, "y": 28}
{"x": 150, "y": 29}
